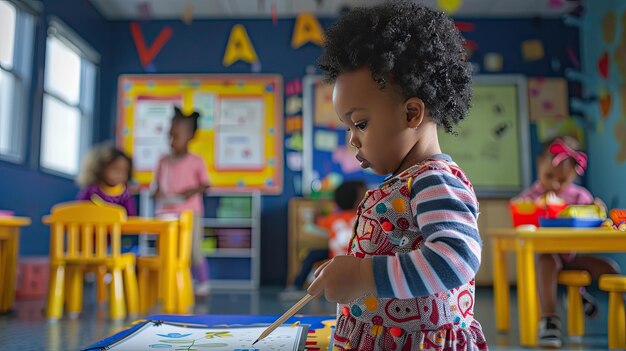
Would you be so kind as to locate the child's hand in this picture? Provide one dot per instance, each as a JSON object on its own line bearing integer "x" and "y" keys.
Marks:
{"x": 189, "y": 193}
{"x": 344, "y": 279}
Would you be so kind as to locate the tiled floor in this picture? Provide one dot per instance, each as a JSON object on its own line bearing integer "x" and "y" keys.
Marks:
{"x": 27, "y": 329}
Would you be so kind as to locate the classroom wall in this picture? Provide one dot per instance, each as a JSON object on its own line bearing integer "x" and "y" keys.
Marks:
{"x": 199, "y": 48}
{"x": 23, "y": 187}
{"x": 607, "y": 131}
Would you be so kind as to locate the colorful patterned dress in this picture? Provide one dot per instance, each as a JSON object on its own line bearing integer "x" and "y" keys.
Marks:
{"x": 420, "y": 227}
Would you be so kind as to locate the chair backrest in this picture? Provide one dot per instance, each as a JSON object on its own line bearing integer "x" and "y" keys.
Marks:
{"x": 185, "y": 237}
{"x": 84, "y": 230}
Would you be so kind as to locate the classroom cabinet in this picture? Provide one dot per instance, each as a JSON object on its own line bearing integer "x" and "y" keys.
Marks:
{"x": 231, "y": 242}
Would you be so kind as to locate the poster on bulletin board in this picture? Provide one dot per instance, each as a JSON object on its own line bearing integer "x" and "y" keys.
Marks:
{"x": 328, "y": 158}
{"x": 492, "y": 144}
{"x": 240, "y": 130}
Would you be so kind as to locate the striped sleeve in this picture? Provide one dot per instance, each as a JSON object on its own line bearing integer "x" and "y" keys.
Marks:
{"x": 446, "y": 212}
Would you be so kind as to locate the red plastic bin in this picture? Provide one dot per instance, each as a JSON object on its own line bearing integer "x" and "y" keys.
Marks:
{"x": 526, "y": 217}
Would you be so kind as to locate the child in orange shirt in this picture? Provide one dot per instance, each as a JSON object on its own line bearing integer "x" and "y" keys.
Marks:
{"x": 339, "y": 226}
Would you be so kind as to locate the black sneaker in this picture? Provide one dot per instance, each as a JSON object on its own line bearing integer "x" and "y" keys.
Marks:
{"x": 550, "y": 333}
{"x": 590, "y": 306}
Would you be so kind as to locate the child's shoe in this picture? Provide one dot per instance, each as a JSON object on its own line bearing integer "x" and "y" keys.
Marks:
{"x": 550, "y": 333}
{"x": 590, "y": 306}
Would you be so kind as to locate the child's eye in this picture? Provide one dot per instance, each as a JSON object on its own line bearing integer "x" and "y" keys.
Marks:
{"x": 361, "y": 125}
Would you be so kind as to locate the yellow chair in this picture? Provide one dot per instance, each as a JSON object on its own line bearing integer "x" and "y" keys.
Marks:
{"x": 151, "y": 268}
{"x": 83, "y": 236}
{"x": 615, "y": 285}
{"x": 574, "y": 280}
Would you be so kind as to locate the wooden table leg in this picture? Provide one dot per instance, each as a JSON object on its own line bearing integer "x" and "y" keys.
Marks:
{"x": 502, "y": 300}
{"x": 527, "y": 293}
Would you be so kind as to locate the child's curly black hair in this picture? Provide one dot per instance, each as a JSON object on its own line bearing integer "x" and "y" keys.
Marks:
{"x": 408, "y": 45}
{"x": 191, "y": 119}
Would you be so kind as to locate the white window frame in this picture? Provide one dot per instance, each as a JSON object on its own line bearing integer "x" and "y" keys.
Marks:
{"x": 22, "y": 75}
{"x": 88, "y": 88}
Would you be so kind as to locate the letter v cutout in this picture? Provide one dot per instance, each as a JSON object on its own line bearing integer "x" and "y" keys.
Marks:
{"x": 147, "y": 54}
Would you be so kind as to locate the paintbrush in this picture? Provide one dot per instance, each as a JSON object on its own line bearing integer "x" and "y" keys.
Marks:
{"x": 290, "y": 312}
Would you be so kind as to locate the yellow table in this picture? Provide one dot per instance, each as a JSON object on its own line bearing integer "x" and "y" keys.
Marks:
{"x": 9, "y": 250}
{"x": 167, "y": 231}
{"x": 526, "y": 244}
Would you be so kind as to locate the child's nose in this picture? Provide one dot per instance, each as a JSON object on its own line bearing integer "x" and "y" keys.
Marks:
{"x": 354, "y": 141}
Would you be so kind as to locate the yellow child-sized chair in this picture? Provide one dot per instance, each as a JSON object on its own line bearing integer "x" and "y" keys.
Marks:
{"x": 615, "y": 285}
{"x": 151, "y": 268}
{"x": 575, "y": 280}
{"x": 84, "y": 235}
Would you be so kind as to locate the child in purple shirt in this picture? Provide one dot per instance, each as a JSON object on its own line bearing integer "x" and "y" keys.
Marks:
{"x": 105, "y": 173}
{"x": 557, "y": 167}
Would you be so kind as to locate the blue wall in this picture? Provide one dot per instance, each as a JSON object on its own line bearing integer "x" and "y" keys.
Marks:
{"x": 606, "y": 173}
{"x": 24, "y": 188}
{"x": 199, "y": 48}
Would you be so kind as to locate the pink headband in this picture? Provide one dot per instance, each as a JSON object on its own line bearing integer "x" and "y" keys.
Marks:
{"x": 562, "y": 152}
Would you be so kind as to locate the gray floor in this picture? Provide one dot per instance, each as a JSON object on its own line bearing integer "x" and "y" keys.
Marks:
{"x": 27, "y": 329}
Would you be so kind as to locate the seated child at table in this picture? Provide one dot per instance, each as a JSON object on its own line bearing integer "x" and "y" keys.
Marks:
{"x": 105, "y": 173}
{"x": 338, "y": 226}
{"x": 557, "y": 167}
{"x": 104, "y": 176}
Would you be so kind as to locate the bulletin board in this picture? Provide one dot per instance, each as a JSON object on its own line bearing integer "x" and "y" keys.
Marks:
{"x": 240, "y": 128}
{"x": 492, "y": 144}
{"x": 328, "y": 158}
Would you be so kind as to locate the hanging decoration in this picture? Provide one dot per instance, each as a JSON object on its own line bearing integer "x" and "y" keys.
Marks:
{"x": 188, "y": 13}
{"x": 450, "y": 6}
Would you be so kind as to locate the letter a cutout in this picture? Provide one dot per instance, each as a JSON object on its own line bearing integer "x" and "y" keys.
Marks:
{"x": 307, "y": 29}
{"x": 239, "y": 47}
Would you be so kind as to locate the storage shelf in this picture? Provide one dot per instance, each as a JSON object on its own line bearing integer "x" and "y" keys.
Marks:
{"x": 229, "y": 253}
{"x": 229, "y": 222}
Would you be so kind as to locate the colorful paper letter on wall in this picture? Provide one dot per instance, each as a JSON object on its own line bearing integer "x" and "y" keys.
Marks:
{"x": 239, "y": 47}
{"x": 307, "y": 29}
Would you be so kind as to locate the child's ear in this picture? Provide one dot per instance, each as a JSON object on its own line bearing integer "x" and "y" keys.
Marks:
{"x": 415, "y": 111}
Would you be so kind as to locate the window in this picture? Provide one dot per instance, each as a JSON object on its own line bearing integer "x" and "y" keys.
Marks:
{"x": 16, "y": 42}
{"x": 68, "y": 100}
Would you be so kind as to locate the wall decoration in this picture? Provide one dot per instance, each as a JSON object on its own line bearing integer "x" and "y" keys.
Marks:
{"x": 307, "y": 30}
{"x": 239, "y": 47}
{"x": 532, "y": 50}
{"x": 147, "y": 54}
{"x": 547, "y": 98}
{"x": 240, "y": 131}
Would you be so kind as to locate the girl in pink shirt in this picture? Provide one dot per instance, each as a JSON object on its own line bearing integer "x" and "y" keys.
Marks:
{"x": 557, "y": 167}
{"x": 181, "y": 180}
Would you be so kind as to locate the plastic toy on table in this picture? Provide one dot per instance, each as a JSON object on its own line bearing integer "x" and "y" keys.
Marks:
{"x": 618, "y": 216}
{"x": 577, "y": 216}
